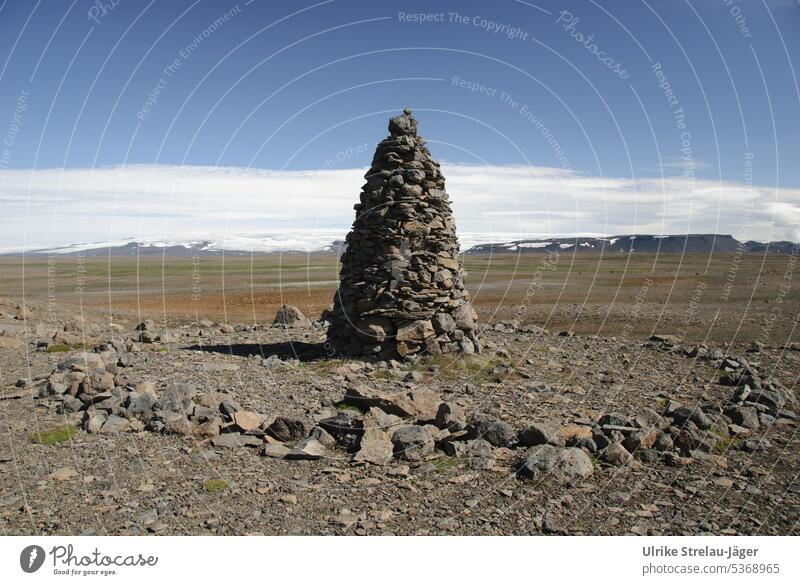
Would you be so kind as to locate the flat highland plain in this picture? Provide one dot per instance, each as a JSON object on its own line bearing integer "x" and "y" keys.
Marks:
{"x": 614, "y": 394}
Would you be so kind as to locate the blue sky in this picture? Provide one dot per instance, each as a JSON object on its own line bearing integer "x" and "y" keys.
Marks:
{"x": 308, "y": 86}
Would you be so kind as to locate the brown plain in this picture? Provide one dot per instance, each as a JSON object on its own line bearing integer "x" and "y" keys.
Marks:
{"x": 719, "y": 298}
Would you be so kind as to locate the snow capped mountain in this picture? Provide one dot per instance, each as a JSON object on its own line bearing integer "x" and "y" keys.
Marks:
{"x": 642, "y": 243}
{"x": 321, "y": 241}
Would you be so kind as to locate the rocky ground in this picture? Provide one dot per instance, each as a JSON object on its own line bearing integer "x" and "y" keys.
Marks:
{"x": 209, "y": 428}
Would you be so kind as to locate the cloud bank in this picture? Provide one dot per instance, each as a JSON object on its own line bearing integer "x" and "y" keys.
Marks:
{"x": 52, "y": 207}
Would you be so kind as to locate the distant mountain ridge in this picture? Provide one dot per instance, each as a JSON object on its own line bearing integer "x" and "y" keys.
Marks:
{"x": 240, "y": 246}
{"x": 637, "y": 243}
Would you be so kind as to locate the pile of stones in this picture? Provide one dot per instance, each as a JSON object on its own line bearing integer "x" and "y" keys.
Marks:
{"x": 401, "y": 290}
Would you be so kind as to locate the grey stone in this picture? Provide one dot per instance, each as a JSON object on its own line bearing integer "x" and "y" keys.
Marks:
{"x": 744, "y": 416}
{"x": 233, "y": 440}
{"x": 345, "y": 429}
{"x": 562, "y": 463}
{"x": 287, "y": 429}
{"x": 663, "y": 442}
{"x": 540, "y": 433}
{"x": 115, "y": 424}
{"x": 450, "y": 416}
{"x": 290, "y": 316}
{"x": 496, "y": 432}
{"x": 93, "y": 423}
{"x": 614, "y": 419}
{"x": 696, "y": 415}
{"x": 178, "y": 398}
{"x": 412, "y": 442}
{"x": 142, "y": 406}
{"x": 615, "y": 454}
{"x": 479, "y": 454}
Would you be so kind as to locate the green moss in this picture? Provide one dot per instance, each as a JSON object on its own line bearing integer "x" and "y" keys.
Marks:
{"x": 727, "y": 443}
{"x": 384, "y": 375}
{"x": 213, "y": 486}
{"x": 445, "y": 463}
{"x": 54, "y": 436}
{"x": 473, "y": 368}
{"x": 63, "y": 347}
{"x": 325, "y": 366}
{"x": 719, "y": 431}
{"x": 353, "y": 407}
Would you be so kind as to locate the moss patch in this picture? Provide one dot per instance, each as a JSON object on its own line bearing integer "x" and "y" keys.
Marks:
{"x": 445, "y": 463}
{"x": 213, "y": 486}
{"x": 353, "y": 407}
{"x": 472, "y": 368}
{"x": 54, "y": 436}
{"x": 64, "y": 347}
{"x": 726, "y": 444}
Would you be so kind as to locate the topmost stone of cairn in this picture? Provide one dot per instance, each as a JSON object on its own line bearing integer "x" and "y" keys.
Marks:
{"x": 403, "y": 125}
{"x": 401, "y": 289}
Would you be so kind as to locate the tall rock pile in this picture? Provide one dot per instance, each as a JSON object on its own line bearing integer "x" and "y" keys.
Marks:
{"x": 401, "y": 290}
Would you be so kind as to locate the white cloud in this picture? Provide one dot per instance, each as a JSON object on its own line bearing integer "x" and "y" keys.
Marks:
{"x": 50, "y": 207}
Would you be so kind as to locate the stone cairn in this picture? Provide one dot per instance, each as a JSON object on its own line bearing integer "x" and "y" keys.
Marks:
{"x": 401, "y": 290}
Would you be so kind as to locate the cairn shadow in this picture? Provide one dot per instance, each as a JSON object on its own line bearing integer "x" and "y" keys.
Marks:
{"x": 299, "y": 350}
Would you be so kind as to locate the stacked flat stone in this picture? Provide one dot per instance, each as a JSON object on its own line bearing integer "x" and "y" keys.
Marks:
{"x": 401, "y": 290}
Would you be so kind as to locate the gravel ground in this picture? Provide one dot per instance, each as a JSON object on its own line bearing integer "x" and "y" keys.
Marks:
{"x": 141, "y": 481}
